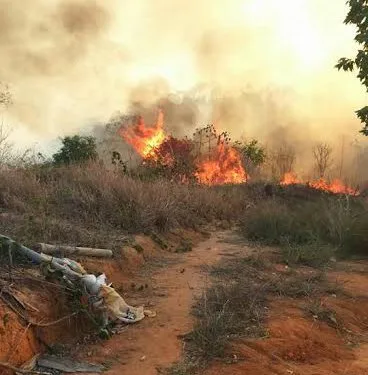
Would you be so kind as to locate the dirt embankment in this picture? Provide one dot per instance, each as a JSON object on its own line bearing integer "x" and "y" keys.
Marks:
{"x": 43, "y": 303}
{"x": 297, "y": 342}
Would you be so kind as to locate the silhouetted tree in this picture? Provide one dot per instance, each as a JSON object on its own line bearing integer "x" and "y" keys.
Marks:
{"x": 322, "y": 158}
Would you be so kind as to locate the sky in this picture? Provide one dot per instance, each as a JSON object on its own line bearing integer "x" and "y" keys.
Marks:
{"x": 72, "y": 63}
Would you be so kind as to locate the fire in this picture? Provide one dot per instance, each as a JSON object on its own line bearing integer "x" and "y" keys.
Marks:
{"x": 145, "y": 139}
{"x": 290, "y": 178}
{"x": 225, "y": 167}
{"x": 336, "y": 186}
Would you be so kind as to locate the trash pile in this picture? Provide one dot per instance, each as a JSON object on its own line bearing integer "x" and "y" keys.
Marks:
{"x": 102, "y": 298}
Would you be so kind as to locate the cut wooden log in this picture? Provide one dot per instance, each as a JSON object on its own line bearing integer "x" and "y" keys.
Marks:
{"x": 71, "y": 250}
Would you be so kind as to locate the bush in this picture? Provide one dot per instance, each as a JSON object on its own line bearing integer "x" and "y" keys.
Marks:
{"x": 273, "y": 222}
{"x": 346, "y": 225}
{"x": 313, "y": 254}
{"x": 310, "y": 230}
{"x": 225, "y": 311}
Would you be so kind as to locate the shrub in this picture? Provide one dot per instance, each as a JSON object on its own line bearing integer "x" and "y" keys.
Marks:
{"x": 313, "y": 254}
{"x": 225, "y": 311}
{"x": 315, "y": 227}
{"x": 273, "y": 222}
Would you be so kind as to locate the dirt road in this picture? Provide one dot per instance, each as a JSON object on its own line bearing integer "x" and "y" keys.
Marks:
{"x": 154, "y": 342}
{"x": 297, "y": 344}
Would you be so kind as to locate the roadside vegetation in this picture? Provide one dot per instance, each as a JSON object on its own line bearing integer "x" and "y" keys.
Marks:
{"x": 310, "y": 231}
{"x": 234, "y": 308}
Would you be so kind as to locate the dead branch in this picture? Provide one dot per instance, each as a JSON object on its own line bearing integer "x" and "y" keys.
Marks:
{"x": 22, "y": 371}
{"x": 36, "y": 324}
{"x": 55, "y": 321}
{"x": 322, "y": 158}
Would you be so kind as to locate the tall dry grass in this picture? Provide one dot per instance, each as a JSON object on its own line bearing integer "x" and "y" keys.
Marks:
{"x": 90, "y": 205}
{"x": 307, "y": 228}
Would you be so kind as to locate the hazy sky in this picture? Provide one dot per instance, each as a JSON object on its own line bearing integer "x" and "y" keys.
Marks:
{"x": 72, "y": 62}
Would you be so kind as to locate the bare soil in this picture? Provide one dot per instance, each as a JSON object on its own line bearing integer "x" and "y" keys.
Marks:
{"x": 169, "y": 283}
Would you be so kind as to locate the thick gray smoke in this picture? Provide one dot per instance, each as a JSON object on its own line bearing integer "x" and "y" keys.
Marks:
{"x": 257, "y": 68}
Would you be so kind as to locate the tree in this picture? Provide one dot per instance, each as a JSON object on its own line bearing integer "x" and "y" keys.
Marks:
{"x": 173, "y": 159}
{"x": 322, "y": 158}
{"x": 253, "y": 155}
{"x": 76, "y": 150}
{"x": 252, "y": 151}
{"x": 281, "y": 160}
{"x": 6, "y": 147}
{"x": 358, "y": 16}
{"x": 5, "y": 95}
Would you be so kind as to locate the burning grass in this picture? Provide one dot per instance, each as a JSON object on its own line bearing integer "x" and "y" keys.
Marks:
{"x": 336, "y": 186}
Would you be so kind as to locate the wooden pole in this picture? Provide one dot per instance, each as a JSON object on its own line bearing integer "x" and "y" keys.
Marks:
{"x": 71, "y": 250}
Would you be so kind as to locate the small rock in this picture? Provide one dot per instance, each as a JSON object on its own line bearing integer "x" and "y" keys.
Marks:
{"x": 182, "y": 270}
{"x": 143, "y": 358}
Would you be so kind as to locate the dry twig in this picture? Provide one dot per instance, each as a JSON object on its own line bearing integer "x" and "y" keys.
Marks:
{"x": 22, "y": 371}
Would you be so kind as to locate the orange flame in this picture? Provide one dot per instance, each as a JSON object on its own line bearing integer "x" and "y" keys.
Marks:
{"x": 290, "y": 178}
{"x": 336, "y": 186}
{"x": 224, "y": 168}
{"x": 145, "y": 139}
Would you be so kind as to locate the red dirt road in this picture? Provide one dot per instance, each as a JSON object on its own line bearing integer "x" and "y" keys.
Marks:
{"x": 154, "y": 343}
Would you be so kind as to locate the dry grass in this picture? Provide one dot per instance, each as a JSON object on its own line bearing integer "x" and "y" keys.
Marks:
{"x": 225, "y": 311}
{"x": 311, "y": 230}
{"x": 90, "y": 205}
{"x": 234, "y": 307}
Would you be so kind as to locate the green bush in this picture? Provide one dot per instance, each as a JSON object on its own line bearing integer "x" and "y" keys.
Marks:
{"x": 313, "y": 254}
{"x": 273, "y": 223}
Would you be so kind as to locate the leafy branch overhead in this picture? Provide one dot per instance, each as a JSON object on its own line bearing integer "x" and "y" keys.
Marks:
{"x": 358, "y": 16}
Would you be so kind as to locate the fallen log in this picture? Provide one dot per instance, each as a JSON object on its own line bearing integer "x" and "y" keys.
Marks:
{"x": 71, "y": 250}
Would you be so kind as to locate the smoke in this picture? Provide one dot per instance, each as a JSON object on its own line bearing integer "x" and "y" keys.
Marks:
{"x": 257, "y": 68}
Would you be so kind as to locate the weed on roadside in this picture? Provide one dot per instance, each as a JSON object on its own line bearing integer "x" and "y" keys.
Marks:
{"x": 319, "y": 311}
{"x": 314, "y": 254}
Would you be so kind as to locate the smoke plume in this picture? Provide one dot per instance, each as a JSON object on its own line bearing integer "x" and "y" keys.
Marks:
{"x": 257, "y": 68}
